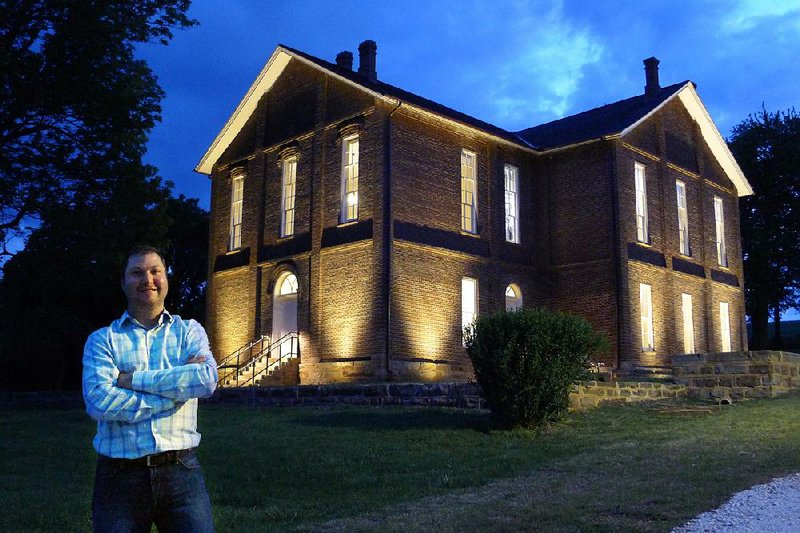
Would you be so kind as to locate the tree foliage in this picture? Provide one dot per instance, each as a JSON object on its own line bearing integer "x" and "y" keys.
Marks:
{"x": 767, "y": 147}
{"x": 75, "y": 103}
{"x": 527, "y": 361}
{"x": 65, "y": 283}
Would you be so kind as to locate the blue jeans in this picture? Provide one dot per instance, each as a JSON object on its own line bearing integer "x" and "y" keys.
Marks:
{"x": 129, "y": 498}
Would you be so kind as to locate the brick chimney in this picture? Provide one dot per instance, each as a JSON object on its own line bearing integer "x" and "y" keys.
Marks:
{"x": 367, "y": 52}
{"x": 345, "y": 60}
{"x": 652, "y": 88}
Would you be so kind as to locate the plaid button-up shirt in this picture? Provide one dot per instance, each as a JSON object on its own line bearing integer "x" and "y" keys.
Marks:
{"x": 160, "y": 413}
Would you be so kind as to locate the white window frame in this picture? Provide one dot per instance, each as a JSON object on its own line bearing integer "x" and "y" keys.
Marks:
{"x": 640, "y": 179}
{"x": 350, "y": 171}
{"x": 683, "y": 218}
{"x": 288, "y": 190}
{"x": 511, "y": 179}
{"x": 688, "y": 323}
{"x": 469, "y": 303}
{"x": 237, "y": 199}
{"x": 725, "y": 326}
{"x": 469, "y": 193}
{"x": 646, "y": 316}
{"x": 719, "y": 227}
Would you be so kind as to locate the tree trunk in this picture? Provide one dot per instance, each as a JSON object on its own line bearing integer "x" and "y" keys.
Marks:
{"x": 777, "y": 340}
{"x": 759, "y": 321}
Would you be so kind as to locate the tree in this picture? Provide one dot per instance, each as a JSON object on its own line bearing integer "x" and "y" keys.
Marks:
{"x": 65, "y": 283}
{"x": 75, "y": 103}
{"x": 767, "y": 147}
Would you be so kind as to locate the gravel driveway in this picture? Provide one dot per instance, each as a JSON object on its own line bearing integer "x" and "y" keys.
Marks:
{"x": 772, "y": 507}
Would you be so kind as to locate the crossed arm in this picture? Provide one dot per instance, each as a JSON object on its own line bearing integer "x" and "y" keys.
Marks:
{"x": 140, "y": 395}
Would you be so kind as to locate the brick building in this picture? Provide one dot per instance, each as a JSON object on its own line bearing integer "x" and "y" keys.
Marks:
{"x": 375, "y": 223}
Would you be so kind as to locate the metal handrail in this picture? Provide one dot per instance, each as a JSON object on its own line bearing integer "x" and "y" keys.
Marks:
{"x": 292, "y": 338}
{"x": 228, "y": 362}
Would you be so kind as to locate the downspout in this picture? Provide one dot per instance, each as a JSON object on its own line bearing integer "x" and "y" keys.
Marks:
{"x": 388, "y": 237}
{"x": 617, "y": 244}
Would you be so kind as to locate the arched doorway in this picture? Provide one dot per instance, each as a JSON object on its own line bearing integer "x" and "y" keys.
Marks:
{"x": 284, "y": 309}
{"x": 513, "y": 298}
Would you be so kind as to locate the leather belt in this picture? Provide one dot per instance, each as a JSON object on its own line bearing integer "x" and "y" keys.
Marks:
{"x": 157, "y": 459}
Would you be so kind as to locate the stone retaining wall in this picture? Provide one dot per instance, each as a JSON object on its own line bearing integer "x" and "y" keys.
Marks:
{"x": 737, "y": 375}
{"x": 594, "y": 393}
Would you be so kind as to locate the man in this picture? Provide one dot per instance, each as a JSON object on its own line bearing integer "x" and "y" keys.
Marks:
{"x": 142, "y": 376}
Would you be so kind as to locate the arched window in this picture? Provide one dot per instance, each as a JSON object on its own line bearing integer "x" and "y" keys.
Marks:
{"x": 287, "y": 284}
{"x": 513, "y": 297}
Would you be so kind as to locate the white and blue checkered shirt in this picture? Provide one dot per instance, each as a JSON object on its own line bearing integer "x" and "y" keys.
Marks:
{"x": 160, "y": 413}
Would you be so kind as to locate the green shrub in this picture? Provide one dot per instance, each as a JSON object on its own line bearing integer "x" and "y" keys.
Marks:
{"x": 526, "y": 362}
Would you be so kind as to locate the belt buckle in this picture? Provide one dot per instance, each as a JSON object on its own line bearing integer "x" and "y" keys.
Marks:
{"x": 149, "y": 464}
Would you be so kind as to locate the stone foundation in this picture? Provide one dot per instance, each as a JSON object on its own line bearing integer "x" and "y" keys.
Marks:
{"x": 737, "y": 375}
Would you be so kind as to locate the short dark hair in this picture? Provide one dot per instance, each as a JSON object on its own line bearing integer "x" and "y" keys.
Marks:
{"x": 141, "y": 249}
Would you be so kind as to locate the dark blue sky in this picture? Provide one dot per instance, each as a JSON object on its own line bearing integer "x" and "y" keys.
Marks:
{"x": 512, "y": 63}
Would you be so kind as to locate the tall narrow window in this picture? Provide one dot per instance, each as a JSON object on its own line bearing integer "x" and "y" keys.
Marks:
{"x": 725, "y": 326}
{"x": 237, "y": 194}
{"x": 468, "y": 192}
{"x": 641, "y": 204}
{"x": 469, "y": 301}
{"x": 349, "y": 179}
{"x": 512, "y": 204}
{"x": 683, "y": 218}
{"x": 719, "y": 224}
{"x": 289, "y": 181}
{"x": 513, "y": 298}
{"x": 688, "y": 323}
{"x": 646, "y": 312}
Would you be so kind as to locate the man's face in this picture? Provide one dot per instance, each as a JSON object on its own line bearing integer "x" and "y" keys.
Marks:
{"x": 145, "y": 282}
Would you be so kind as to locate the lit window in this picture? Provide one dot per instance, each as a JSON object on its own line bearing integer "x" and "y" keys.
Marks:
{"x": 288, "y": 285}
{"x": 646, "y": 312}
{"x": 512, "y": 204}
{"x": 468, "y": 192}
{"x": 237, "y": 194}
{"x": 288, "y": 185}
{"x": 725, "y": 326}
{"x": 683, "y": 218}
{"x": 349, "y": 179}
{"x": 688, "y": 323}
{"x": 719, "y": 224}
{"x": 469, "y": 301}
{"x": 641, "y": 204}
{"x": 513, "y": 298}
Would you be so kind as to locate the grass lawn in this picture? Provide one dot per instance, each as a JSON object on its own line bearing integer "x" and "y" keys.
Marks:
{"x": 638, "y": 468}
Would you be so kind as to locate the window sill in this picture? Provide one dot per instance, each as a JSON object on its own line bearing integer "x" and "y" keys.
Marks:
{"x": 348, "y": 223}
{"x": 470, "y": 234}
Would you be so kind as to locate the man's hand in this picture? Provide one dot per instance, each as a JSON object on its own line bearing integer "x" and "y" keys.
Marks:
{"x": 196, "y": 360}
{"x": 125, "y": 380}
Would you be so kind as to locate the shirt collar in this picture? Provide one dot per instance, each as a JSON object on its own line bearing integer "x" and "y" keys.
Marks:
{"x": 164, "y": 317}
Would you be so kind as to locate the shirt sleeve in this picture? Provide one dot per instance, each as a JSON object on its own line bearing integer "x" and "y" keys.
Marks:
{"x": 185, "y": 381}
{"x": 104, "y": 400}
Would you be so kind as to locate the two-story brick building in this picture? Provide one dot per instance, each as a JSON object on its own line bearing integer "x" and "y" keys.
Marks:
{"x": 377, "y": 223}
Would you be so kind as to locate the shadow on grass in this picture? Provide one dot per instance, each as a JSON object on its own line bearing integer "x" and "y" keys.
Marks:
{"x": 391, "y": 419}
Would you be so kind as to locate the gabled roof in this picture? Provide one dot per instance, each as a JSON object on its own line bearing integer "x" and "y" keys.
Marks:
{"x": 596, "y": 123}
{"x": 273, "y": 69}
{"x": 619, "y": 118}
{"x": 611, "y": 120}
